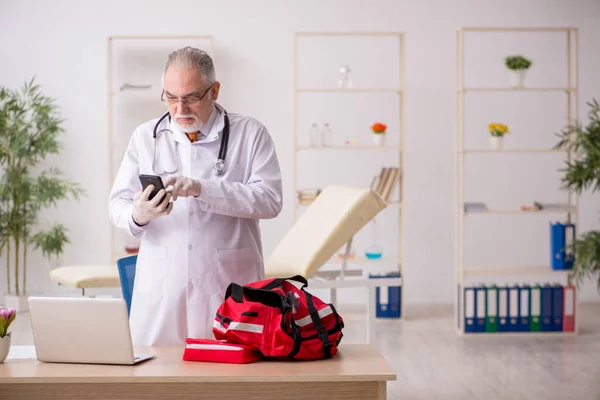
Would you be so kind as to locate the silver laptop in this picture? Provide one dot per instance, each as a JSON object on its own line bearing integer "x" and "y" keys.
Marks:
{"x": 82, "y": 330}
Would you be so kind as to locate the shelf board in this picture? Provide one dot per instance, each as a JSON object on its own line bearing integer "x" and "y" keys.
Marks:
{"x": 389, "y": 203}
{"x": 516, "y": 211}
{"x": 339, "y": 90}
{"x": 516, "y": 334}
{"x": 363, "y": 260}
{"x": 524, "y": 150}
{"x": 512, "y": 271}
{"x": 515, "y": 29}
{"x": 508, "y": 89}
{"x": 300, "y": 148}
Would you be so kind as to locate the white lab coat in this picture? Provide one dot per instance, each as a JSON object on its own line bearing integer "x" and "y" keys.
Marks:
{"x": 189, "y": 257}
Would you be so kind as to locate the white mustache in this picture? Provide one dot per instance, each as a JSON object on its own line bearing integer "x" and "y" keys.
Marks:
{"x": 177, "y": 116}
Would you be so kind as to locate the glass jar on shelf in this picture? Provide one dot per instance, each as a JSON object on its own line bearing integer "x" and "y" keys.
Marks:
{"x": 314, "y": 136}
{"x": 326, "y": 135}
{"x": 374, "y": 251}
{"x": 345, "y": 80}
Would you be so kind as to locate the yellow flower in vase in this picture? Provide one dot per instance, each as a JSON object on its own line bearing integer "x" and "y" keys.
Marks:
{"x": 497, "y": 132}
{"x": 498, "y": 129}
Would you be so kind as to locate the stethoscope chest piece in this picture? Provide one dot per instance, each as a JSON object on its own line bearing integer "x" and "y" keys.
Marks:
{"x": 219, "y": 168}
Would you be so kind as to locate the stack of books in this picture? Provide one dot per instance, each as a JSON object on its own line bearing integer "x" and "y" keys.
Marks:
{"x": 385, "y": 183}
{"x": 307, "y": 196}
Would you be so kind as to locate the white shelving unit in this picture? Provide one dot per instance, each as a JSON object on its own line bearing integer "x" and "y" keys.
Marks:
{"x": 135, "y": 65}
{"x": 330, "y": 95}
{"x": 541, "y": 273}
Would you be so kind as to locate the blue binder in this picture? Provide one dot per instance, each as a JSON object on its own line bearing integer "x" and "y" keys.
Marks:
{"x": 503, "y": 325}
{"x": 561, "y": 236}
{"x": 513, "y": 308}
{"x": 480, "y": 308}
{"x": 557, "y": 308}
{"x": 469, "y": 310}
{"x": 546, "y": 313}
{"x": 524, "y": 317}
{"x": 387, "y": 299}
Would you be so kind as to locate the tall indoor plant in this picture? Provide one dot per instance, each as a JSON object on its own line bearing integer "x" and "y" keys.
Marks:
{"x": 29, "y": 129}
{"x": 583, "y": 173}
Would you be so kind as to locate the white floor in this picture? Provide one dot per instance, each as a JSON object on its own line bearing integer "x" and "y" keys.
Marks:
{"x": 433, "y": 362}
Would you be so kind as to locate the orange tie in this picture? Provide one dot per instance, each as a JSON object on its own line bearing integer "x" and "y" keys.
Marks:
{"x": 192, "y": 136}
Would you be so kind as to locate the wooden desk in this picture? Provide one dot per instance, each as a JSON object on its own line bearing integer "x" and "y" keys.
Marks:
{"x": 356, "y": 372}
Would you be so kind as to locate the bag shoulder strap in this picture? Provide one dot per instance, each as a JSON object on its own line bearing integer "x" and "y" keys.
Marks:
{"x": 266, "y": 297}
{"x": 278, "y": 281}
{"x": 321, "y": 330}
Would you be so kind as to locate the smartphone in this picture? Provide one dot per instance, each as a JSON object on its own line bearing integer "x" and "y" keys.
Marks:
{"x": 155, "y": 180}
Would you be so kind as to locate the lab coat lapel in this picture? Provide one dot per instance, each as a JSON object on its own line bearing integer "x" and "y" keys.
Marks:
{"x": 179, "y": 135}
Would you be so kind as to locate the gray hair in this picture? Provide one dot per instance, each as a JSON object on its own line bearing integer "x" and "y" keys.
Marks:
{"x": 189, "y": 57}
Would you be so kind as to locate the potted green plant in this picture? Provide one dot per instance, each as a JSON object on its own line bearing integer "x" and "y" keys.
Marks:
{"x": 583, "y": 173}
{"x": 7, "y": 316}
{"x": 517, "y": 66}
{"x": 29, "y": 129}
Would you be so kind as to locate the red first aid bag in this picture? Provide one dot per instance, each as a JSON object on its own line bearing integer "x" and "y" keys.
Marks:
{"x": 219, "y": 351}
{"x": 280, "y": 319}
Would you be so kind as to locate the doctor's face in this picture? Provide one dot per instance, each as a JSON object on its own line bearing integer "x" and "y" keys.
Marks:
{"x": 189, "y": 98}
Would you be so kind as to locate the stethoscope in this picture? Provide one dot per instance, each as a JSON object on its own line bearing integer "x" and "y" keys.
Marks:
{"x": 218, "y": 169}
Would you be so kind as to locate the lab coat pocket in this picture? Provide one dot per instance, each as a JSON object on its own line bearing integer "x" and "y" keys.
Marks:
{"x": 151, "y": 271}
{"x": 233, "y": 173}
{"x": 240, "y": 266}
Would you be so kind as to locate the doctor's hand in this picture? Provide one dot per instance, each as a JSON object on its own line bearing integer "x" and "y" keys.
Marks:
{"x": 183, "y": 186}
{"x": 145, "y": 210}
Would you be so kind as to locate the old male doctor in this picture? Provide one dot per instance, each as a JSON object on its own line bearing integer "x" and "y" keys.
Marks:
{"x": 205, "y": 234}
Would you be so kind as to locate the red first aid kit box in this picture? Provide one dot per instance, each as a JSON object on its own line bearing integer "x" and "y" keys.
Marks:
{"x": 219, "y": 351}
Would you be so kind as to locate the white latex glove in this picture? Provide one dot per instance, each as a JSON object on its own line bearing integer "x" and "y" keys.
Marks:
{"x": 183, "y": 186}
{"x": 145, "y": 210}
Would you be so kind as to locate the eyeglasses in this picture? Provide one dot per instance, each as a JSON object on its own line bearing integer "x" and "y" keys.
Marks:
{"x": 186, "y": 100}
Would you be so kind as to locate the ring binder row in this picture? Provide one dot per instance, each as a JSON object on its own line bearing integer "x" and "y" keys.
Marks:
{"x": 519, "y": 308}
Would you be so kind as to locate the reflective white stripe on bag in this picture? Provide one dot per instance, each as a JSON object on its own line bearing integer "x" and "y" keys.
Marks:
{"x": 213, "y": 347}
{"x": 323, "y": 312}
{"x": 239, "y": 326}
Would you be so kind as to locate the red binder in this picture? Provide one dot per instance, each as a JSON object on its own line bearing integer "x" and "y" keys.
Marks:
{"x": 219, "y": 351}
{"x": 569, "y": 309}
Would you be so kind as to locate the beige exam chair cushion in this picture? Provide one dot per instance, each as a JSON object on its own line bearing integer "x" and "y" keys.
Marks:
{"x": 87, "y": 276}
{"x": 335, "y": 216}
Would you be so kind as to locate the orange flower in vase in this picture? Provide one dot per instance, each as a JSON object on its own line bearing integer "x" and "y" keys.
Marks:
{"x": 379, "y": 133}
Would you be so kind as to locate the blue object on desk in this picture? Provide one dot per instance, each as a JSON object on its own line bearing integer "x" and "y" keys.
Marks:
{"x": 388, "y": 300}
{"x": 126, "y": 267}
{"x": 561, "y": 235}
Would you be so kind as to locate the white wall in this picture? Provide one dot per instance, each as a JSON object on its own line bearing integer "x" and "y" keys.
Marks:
{"x": 63, "y": 43}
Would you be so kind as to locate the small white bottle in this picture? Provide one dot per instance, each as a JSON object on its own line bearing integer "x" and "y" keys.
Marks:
{"x": 314, "y": 135}
{"x": 326, "y": 135}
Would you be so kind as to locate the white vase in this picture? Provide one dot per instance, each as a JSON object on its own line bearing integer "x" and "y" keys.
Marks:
{"x": 517, "y": 78}
{"x": 496, "y": 142}
{"x": 379, "y": 139}
{"x": 4, "y": 347}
